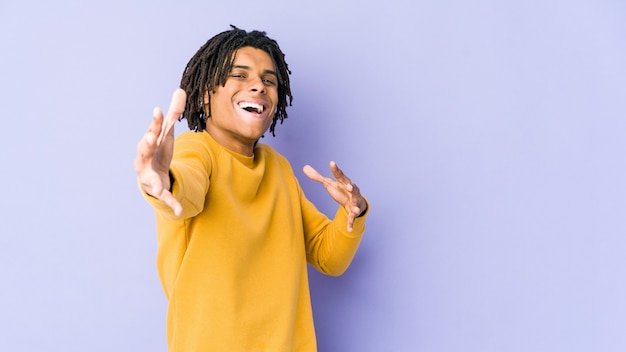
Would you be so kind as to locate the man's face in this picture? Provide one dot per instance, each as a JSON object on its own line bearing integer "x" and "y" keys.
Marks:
{"x": 242, "y": 110}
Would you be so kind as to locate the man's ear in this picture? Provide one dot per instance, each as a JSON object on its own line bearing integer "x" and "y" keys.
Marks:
{"x": 205, "y": 103}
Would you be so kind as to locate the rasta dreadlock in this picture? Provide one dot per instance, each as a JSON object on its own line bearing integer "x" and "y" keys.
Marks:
{"x": 210, "y": 67}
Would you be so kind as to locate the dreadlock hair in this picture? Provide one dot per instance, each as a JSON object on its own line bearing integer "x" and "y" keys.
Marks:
{"x": 210, "y": 67}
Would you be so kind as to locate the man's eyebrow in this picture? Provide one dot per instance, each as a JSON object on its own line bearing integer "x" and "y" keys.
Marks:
{"x": 244, "y": 67}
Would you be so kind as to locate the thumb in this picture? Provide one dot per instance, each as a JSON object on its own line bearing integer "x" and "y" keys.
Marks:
{"x": 311, "y": 173}
{"x": 177, "y": 107}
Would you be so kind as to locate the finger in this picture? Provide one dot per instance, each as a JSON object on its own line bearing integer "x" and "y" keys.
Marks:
{"x": 177, "y": 106}
{"x": 171, "y": 202}
{"x": 354, "y": 189}
{"x": 357, "y": 200}
{"x": 155, "y": 126}
{"x": 339, "y": 175}
{"x": 147, "y": 145}
{"x": 316, "y": 176}
{"x": 351, "y": 217}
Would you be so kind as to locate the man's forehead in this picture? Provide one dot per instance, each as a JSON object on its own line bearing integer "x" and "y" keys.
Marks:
{"x": 247, "y": 56}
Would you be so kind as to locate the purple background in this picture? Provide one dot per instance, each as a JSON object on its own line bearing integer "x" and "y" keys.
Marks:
{"x": 487, "y": 135}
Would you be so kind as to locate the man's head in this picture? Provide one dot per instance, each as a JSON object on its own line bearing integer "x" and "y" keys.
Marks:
{"x": 210, "y": 68}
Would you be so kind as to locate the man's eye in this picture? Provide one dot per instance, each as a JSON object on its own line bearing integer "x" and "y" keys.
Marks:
{"x": 269, "y": 82}
{"x": 238, "y": 75}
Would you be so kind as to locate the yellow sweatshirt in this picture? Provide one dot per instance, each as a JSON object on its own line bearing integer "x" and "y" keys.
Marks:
{"x": 233, "y": 266}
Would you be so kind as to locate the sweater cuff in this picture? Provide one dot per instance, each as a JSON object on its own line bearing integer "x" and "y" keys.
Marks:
{"x": 358, "y": 227}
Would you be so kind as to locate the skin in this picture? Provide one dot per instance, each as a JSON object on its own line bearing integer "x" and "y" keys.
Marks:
{"x": 252, "y": 79}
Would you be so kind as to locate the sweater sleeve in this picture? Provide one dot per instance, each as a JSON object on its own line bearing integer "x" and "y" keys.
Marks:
{"x": 190, "y": 170}
{"x": 330, "y": 248}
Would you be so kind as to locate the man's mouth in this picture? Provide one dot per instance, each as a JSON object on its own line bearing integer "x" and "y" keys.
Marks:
{"x": 251, "y": 107}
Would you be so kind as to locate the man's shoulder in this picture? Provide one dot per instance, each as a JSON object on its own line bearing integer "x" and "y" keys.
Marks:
{"x": 191, "y": 144}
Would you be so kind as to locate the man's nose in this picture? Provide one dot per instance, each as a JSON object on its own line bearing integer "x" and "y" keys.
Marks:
{"x": 256, "y": 85}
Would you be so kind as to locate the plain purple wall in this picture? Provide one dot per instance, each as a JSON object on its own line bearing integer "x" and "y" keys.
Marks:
{"x": 487, "y": 135}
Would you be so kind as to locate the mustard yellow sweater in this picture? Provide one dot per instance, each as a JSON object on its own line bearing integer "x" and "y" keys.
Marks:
{"x": 233, "y": 266}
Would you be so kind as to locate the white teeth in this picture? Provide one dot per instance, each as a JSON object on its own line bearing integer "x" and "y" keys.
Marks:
{"x": 246, "y": 104}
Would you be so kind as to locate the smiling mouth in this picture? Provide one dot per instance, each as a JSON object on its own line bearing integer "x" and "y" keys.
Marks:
{"x": 251, "y": 107}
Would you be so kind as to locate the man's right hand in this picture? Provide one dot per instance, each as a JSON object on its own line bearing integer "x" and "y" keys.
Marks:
{"x": 155, "y": 150}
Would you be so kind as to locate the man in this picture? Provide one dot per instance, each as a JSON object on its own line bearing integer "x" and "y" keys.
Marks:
{"x": 234, "y": 228}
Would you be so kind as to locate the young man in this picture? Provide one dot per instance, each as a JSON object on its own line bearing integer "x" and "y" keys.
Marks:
{"x": 234, "y": 228}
